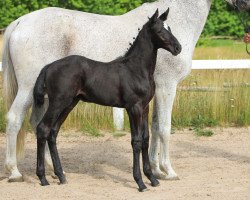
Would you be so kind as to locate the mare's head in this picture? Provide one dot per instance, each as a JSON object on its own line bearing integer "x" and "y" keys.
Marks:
{"x": 162, "y": 37}
{"x": 242, "y": 5}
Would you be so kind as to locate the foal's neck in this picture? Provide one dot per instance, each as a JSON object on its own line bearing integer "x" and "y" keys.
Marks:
{"x": 143, "y": 50}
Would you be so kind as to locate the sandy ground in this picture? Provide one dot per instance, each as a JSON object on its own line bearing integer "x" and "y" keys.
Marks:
{"x": 217, "y": 167}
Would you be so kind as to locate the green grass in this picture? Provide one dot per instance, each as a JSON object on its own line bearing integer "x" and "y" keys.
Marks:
{"x": 209, "y": 42}
{"x": 86, "y": 126}
{"x": 220, "y": 49}
{"x": 201, "y": 132}
{"x": 227, "y": 104}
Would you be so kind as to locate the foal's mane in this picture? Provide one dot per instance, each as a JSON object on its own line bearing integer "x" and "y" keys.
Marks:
{"x": 135, "y": 42}
{"x": 139, "y": 36}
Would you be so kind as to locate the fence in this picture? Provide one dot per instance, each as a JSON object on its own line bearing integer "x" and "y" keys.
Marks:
{"x": 214, "y": 64}
{"x": 196, "y": 64}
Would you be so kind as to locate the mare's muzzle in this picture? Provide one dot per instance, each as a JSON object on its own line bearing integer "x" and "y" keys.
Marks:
{"x": 242, "y": 4}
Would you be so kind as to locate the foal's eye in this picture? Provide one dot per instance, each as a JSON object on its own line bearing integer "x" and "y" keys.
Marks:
{"x": 160, "y": 30}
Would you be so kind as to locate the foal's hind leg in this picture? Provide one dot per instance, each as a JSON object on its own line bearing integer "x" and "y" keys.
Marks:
{"x": 36, "y": 116}
{"x": 52, "y": 141}
{"x": 15, "y": 119}
{"x": 145, "y": 141}
{"x": 43, "y": 132}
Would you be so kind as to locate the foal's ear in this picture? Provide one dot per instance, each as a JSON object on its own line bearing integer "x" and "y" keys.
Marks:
{"x": 169, "y": 29}
{"x": 164, "y": 16}
{"x": 155, "y": 16}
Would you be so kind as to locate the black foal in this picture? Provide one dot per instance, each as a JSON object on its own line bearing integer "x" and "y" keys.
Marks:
{"x": 126, "y": 82}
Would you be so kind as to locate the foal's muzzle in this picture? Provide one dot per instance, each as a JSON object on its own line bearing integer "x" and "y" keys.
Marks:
{"x": 177, "y": 50}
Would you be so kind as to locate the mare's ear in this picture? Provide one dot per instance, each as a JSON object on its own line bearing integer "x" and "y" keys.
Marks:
{"x": 164, "y": 16}
{"x": 155, "y": 16}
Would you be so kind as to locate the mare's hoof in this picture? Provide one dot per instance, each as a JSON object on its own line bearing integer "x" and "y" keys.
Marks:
{"x": 155, "y": 183}
{"x": 159, "y": 175}
{"x": 15, "y": 175}
{"x": 171, "y": 178}
{"x": 16, "y": 179}
{"x": 143, "y": 190}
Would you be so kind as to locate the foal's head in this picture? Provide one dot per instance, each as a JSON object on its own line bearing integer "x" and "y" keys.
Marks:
{"x": 162, "y": 37}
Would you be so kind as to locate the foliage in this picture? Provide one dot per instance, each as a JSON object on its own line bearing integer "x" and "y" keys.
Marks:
{"x": 221, "y": 21}
{"x": 12, "y": 9}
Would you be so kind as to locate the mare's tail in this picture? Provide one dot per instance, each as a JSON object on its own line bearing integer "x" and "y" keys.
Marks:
{"x": 10, "y": 85}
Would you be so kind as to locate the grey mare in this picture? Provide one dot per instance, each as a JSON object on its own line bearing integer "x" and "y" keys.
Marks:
{"x": 43, "y": 36}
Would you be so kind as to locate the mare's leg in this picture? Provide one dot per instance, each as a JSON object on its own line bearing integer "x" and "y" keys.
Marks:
{"x": 15, "y": 119}
{"x": 145, "y": 141}
{"x": 118, "y": 118}
{"x": 135, "y": 119}
{"x": 161, "y": 130}
{"x": 52, "y": 141}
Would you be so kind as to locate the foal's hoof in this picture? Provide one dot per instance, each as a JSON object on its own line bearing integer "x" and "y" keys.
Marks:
{"x": 55, "y": 176}
{"x": 63, "y": 182}
{"x": 143, "y": 190}
{"x": 44, "y": 182}
{"x": 155, "y": 183}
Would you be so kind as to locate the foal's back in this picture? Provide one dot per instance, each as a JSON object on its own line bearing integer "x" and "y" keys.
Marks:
{"x": 91, "y": 81}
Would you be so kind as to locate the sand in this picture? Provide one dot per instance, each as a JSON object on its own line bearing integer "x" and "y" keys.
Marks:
{"x": 216, "y": 167}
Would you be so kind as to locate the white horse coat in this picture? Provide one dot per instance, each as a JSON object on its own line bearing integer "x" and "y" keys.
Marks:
{"x": 46, "y": 35}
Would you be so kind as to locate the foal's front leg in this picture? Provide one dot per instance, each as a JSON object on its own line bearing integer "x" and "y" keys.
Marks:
{"x": 135, "y": 118}
{"x": 145, "y": 143}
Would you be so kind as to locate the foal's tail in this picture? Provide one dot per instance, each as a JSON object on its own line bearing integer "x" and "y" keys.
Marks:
{"x": 39, "y": 89}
